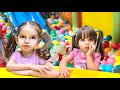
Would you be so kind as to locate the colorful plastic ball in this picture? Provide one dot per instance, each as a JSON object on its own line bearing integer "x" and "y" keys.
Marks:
{"x": 62, "y": 30}
{"x": 4, "y": 27}
{"x": 4, "y": 31}
{"x": 66, "y": 21}
{"x": 5, "y": 19}
{"x": 1, "y": 24}
{"x": 117, "y": 53}
{"x": 53, "y": 34}
{"x": 102, "y": 67}
{"x": 108, "y": 68}
{"x": 113, "y": 56}
{"x": 115, "y": 46}
{"x": 110, "y": 53}
{"x": 49, "y": 20}
{"x": 8, "y": 35}
{"x": 106, "y": 44}
{"x": 70, "y": 65}
{"x": 104, "y": 62}
{"x": 57, "y": 16}
{"x": 116, "y": 69}
{"x": 106, "y": 57}
{"x": 56, "y": 63}
{"x": 107, "y": 49}
{"x": 111, "y": 60}
{"x": 108, "y": 37}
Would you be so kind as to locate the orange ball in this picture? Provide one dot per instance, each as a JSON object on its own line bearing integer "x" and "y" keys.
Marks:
{"x": 69, "y": 27}
{"x": 107, "y": 50}
{"x": 117, "y": 53}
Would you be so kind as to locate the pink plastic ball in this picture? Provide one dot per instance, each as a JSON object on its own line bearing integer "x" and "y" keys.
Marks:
{"x": 1, "y": 24}
{"x": 104, "y": 62}
{"x": 111, "y": 60}
{"x": 62, "y": 30}
{"x": 50, "y": 20}
{"x": 4, "y": 27}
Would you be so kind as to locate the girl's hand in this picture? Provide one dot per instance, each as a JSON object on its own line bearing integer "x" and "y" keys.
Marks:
{"x": 41, "y": 68}
{"x": 50, "y": 65}
{"x": 91, "y": 50}
{"x": 65, "y": 72}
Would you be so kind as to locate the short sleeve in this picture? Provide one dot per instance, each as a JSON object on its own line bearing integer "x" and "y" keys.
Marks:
{"x": 14, "y": 56}
{"x": 74, "y": 52}
{"x": 97, "y": 57}
{"x": 42, "y": 61}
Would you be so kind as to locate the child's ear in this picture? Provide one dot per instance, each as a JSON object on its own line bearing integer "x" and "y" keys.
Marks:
{"x": 16, "y": 39}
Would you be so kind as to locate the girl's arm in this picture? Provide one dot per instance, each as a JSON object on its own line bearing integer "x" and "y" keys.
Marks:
{"x": 90, "y": 61}
{"x": 65, "y": 61}
{"x": 49, "y": 64}
{"x": 91, "y": 64}
{"x": 12, "y": 66}
{"x": 64, "y": 70}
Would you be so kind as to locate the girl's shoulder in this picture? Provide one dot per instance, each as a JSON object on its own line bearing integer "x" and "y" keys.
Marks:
{"x": 76, "y": 50}
{"x": 97, "y": 54}
{"x": 16, "y": 53}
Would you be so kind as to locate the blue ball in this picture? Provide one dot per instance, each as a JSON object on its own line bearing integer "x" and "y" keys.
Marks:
{"x": 108, "y": 37}
{"x": 66, "y": 33}
{"x": 116, "y": 68}
{"x": 109, "y": 68}
{"x": 102, "y": 67}
{"x": 66, "y": 21}
{"x": 56, "y": 63}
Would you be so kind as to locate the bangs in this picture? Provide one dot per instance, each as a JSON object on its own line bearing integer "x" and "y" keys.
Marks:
{"x": 88, "y": 34}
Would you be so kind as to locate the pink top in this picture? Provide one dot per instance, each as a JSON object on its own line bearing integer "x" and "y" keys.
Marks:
{"x": 80, "y": 61}
{"x": 33, "y": 59}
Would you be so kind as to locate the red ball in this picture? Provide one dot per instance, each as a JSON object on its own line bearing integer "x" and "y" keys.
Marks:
{"x": 106, "y": 57}
{"x": 4, "y": 31}
{"x": 116, "y": 46}
{"x": 106, "y": 44}
{"x": 57, "y": 16}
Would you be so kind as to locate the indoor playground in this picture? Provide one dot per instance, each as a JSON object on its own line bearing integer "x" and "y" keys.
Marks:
{"x": 62, "y": 26}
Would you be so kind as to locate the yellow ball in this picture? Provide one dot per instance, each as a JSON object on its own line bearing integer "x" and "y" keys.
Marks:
{"x": 7, "y": 24}
{"x": 2, "y": 21}
{"x": 56, "y": 42}
{"x": 52, "y": 16}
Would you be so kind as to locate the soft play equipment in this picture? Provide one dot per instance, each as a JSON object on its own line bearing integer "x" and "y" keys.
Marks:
{"x": 19, "y": 17}
{"x": 75, "y": 73}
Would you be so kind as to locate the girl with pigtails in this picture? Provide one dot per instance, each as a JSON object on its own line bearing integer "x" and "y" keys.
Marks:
{"x": 30, "y": 61}
{"x": 87, "y": 51}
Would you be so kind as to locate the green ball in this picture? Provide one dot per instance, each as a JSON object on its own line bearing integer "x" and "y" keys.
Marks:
{"x": 7, "y": 35}
{"x": 70, "y": 65}
{"x": 114, "y": 50}
{"x": 53, "y": 34}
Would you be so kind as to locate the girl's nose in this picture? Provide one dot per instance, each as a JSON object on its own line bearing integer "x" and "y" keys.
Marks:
{"x": 27, "y": 40}
{"x": 86, "y": 42}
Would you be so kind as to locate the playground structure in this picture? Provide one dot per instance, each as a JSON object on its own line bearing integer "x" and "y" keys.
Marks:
{"x": 61, "y": 41}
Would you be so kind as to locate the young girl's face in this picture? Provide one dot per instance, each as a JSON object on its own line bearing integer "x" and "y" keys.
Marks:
{"x": 27, "y": 39}
{"x": 84, "y": 44}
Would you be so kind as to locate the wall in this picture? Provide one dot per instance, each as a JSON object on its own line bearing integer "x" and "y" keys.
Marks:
{"x": 99, "y": 20}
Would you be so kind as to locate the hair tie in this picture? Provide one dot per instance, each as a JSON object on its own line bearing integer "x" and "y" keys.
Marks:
{"x": 43, "y": 30}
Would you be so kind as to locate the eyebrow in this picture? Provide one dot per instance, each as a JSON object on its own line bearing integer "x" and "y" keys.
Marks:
{"x": 25, "y": 35}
